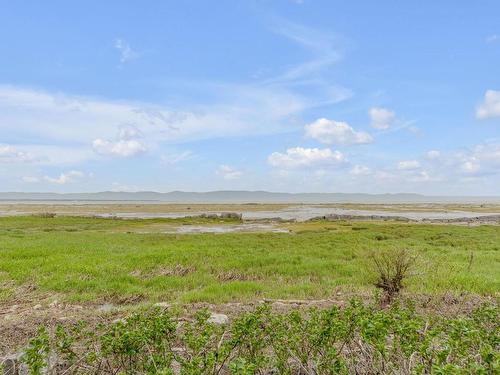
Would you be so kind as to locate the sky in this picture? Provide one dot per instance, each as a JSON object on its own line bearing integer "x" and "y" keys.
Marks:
{"x": 278, "y": 95}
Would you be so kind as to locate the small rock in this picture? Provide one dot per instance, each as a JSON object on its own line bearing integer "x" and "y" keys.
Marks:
{"x": 54, "y": 303}
{"x": 218, "y": 319}
{"x": 37, "y": 307}
{"x": 107, "y": 307}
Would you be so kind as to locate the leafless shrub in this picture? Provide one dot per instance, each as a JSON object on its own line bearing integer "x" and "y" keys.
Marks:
{"x": 392, "y": 268}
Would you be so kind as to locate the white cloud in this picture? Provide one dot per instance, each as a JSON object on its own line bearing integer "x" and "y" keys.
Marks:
{"x": 65, "y": 178}
{"x": 121, "y": 148}
{"x": 433, "y": 154}
{"x": 381, "y": 118}
{"x": 480, "y": 160}
{"x": 126, "y": 52}
{"x": 126, "y": 145}
{"x": 456, "y": 166}
{"x": 471, "y": 165}
{"x": 490, "y": 106}
{"x": 57, "y": 118}
{"x": 472, "y": 171}
{"x": 10, "y": 154}
{"x": 336, "y": 132}
{"x": 408, "y": 165}
{"x": 360, "y": 170}
{"x": 229, "y": 173}
{"x": 299, "y": 157}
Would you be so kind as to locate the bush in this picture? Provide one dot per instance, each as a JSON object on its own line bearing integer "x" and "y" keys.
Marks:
{"x": 392, "y": 269}
{"x": 358, "y": 339}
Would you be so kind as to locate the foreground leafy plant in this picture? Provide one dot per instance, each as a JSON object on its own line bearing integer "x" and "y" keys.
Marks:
{"x": 359, "y": 338}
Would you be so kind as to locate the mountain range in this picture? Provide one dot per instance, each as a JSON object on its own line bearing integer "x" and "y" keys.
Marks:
{"x": 241, "y": 196}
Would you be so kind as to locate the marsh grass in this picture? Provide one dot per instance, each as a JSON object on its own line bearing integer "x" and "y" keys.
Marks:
{"x": 91, "y": 259}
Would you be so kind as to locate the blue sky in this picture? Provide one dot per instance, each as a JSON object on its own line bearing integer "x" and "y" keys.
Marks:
{"x": 297, "y": 96}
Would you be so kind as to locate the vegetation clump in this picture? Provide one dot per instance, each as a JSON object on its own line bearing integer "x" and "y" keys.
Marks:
{"x": 359, "y": 339}
{"x": 392, "y": 268}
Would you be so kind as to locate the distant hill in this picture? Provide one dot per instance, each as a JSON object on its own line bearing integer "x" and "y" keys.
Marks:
{"x": 244, "y": 197}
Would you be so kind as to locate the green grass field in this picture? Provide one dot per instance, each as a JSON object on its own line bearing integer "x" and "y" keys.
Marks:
{"x": 89, "y": 259}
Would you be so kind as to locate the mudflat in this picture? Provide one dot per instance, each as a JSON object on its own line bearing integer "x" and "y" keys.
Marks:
{"x": 250, "y": 211}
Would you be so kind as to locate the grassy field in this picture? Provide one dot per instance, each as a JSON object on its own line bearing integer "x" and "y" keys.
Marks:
{"x": 119, "y": 261}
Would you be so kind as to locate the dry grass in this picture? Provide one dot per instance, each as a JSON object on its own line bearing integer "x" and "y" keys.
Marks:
{"x": 177, "y": 270}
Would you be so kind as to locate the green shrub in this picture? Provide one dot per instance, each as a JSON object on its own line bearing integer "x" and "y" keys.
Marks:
{"x": 359, "y": 338}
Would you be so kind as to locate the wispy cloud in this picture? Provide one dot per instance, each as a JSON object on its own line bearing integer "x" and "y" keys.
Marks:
{"x": 177, "y": 157}
{"x": 10, "y": 154}
{"x": 323, "y": 46}
{"x": 229, "y": 173}
{"x": 126, "y": 52}
{"x": 68, "y": 122}
{"x": 324, "y": 49}
{"x": 65, "y": 178}
{"x": 492, "y": 38}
